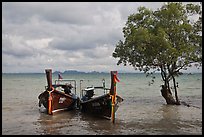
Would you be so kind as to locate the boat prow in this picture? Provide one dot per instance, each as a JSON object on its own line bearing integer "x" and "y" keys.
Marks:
{"x": 55, "y": 100}
{"x": 104, "y": 105}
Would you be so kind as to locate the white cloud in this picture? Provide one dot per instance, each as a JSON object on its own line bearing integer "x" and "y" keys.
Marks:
{"x": 64, "y": 35}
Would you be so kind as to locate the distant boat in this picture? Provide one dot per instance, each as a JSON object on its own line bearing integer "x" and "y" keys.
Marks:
{"x": 54, "y": 98}
{"x": 104, "y": 105}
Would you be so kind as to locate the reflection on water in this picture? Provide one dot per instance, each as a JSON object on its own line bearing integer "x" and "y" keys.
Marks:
{"x": 174, "y": 120}
{"x": 75, "y": 122}
{"x": 52, "y": 124}
{"x": 169, "y": 122}
{"x": 100, "y": 125}
{"x": 164, "y": 120}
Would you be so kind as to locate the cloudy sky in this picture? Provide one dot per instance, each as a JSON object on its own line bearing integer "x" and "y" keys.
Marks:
{"x": 63, "y": 36}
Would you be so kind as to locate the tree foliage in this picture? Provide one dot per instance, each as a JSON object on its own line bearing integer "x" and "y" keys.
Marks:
{"x": 168, "y": 39}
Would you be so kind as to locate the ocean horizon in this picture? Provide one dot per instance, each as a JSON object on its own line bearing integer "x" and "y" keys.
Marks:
{"x": 92, "y": 72}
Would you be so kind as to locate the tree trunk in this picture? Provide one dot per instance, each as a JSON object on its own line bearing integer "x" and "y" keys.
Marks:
{"x": 176, "y": 96}
{"x": 166, "y": 93}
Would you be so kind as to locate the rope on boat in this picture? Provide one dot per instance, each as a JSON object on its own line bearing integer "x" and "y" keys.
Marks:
{"x": 50, "y": 101}
{"x": 115, "y": 80}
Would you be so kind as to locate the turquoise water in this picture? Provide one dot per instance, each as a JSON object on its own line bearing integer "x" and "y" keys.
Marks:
{"x": 143, "y": 110}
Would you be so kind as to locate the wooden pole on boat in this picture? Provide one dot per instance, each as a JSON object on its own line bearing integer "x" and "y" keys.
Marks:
{"x": 113, "y": 93}
{"x": 49, "y": 89}
{"x": 49, "y": 78}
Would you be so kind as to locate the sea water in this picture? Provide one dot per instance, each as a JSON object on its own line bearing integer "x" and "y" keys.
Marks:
{"x": 143, "y": 111}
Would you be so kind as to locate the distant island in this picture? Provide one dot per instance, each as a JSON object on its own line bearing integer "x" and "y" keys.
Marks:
{"x": 78, "y": 72}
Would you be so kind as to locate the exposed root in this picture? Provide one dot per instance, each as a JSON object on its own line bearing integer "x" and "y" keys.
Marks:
{"x": 188, "y": 105}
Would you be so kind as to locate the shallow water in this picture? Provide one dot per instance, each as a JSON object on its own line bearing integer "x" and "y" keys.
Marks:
{"x": 143, "y": 111}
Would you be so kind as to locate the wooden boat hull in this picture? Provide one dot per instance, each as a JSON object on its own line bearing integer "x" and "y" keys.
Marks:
{"x": 99, "y": 106}
{"x": 59, "y": 101}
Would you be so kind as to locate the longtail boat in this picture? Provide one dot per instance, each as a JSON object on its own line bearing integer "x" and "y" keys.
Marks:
{"x": 104, "y": 105}
{"x": 54, "y": 98}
